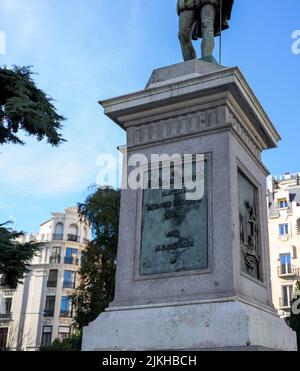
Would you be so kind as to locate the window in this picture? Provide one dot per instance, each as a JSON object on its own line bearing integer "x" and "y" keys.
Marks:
{"x": 3, "y": 338}
{"x": 73, "y": 234}
{"x": 5, "y": 308}
{"x": 66, "y": 309}
{"x": 55, "y": 255}
{"x": 285, "y": 264}
{"x": 295, "y": 254}
{"x": 52, "y": 278}
{"x": 71, "y": 256}
{"x": 47, "y": 336}
{"x": 287, "y": 295}
{"x": 283, "y": 204}
{"x": 8, "y": 303}
{"x": 69, "y": 280}
{"x": 283, "y": 230}
{"x": 50, "y": 306}
{"x": 64, "y": 333}
{"x": 59, "y": 232}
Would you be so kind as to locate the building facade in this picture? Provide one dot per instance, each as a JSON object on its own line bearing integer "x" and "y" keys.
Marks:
{"x": 40, "y": 310}
{"x": 284, "y": 230}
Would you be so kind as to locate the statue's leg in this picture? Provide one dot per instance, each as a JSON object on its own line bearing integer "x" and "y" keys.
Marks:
{"x": 186, "y": 21}
{"x": 208, "y": 14}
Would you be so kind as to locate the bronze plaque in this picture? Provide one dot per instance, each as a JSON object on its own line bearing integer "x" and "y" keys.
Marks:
{"x": 174, "y": 231}
{"x": 249, "y": 228}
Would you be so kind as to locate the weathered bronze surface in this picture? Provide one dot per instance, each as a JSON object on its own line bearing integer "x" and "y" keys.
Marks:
{"x": 174, "y": 232}
{"x": 249, "y": 228}
{"x": 202, "y": 19}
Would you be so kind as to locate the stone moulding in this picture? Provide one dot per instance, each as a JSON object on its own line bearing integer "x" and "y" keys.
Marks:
{"x": 191, "y": 124}
{"x": 179, "y": 126}
{"x": 224, "y": 87}
{"x": 226, "y": 324}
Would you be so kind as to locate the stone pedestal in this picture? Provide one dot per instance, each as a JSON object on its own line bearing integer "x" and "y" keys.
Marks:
{"x": 222, "y": 299}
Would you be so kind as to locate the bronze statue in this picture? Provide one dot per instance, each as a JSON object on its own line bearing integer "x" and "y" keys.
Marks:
{"x": 201, "y": 19}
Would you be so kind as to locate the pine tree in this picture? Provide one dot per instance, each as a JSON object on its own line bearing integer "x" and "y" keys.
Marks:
{"x": 14, "y": 257}
{"x": 24, "y": 107}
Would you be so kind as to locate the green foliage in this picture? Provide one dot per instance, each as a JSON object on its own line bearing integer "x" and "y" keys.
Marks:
{"x": 98, "y": 269}
{"x": 73, "y": 344}
{"x": 294, "y": 320}
{"x": 14, "y": 257}
{"x": 25, "y": 107}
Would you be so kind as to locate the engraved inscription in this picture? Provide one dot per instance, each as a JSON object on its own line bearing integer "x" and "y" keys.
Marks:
{"x": 174, "y": 231}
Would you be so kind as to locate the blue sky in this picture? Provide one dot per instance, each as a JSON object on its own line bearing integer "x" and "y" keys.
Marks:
{"x": 87, "y": 50}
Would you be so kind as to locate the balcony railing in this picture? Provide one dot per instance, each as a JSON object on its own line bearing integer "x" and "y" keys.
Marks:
{"x": 49, "y": 313}
{"x": 52, "y": 284}
{"x": 66, "y": 314}
{"x": 57, "y": 237}
{"x": 69, "y": 285}
{"x": 73, "y": 238}
{"x": 284, "y": 303}
{"x": 288, "y": 271}
{"x": 70, "y": 237}
{"x": 55, "y": 259}
{"x": 71, "y": 261}
{"x": 5, "y": 316}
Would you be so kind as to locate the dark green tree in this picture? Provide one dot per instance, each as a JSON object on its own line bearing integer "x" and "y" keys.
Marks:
{"x": 96, "y": 291}
{"x": 24, "y": 107}
{"x": 294, "y": 320}
{"x": 14, "y": 257}
{"x": 73, "y": 344}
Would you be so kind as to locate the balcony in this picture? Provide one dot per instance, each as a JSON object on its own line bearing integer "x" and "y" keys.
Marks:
{"x": 57, "y": 237}
{"x": 49, "y": 313}
{"x": 55, "y": 259}
{"x": 69, "y": 285}
{"x": 52, "y": 284}
{"x": 5, "y": 316}
{"x": 288, "y": 271}
{"x": 70, "y": 260}
{"x": 73, "y": 238}
{"x": 66, "y": 314}
{"x": 284, "y": 304}
{"x": 86, "y": 241}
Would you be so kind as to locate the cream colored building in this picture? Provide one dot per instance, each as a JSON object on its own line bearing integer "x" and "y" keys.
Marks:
{"x": 40, "y": 310}
{"x": 284, "y": 230}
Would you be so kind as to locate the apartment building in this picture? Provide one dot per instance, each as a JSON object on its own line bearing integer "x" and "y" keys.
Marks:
{"x": 284, "y": 231}
{"x": 40, "y": 310}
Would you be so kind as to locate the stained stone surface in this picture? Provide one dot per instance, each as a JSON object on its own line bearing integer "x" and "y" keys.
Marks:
{"x": 182, "y": 71}
{"x": 220, "y": 325}
{"x": 214, "y": 113}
